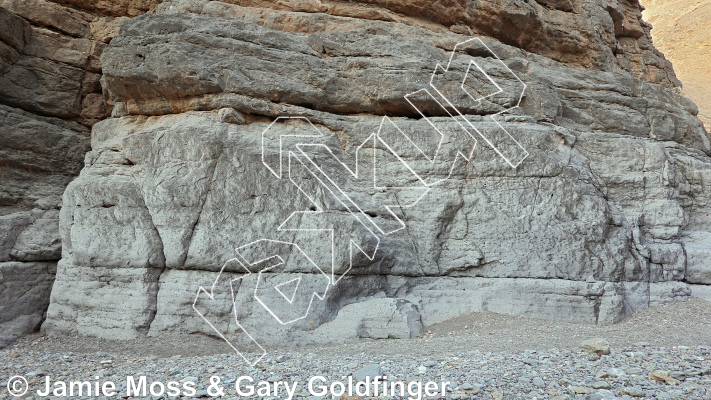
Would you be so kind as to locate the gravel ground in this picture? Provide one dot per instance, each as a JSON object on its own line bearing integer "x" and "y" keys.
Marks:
{"x": 662, "y": 352}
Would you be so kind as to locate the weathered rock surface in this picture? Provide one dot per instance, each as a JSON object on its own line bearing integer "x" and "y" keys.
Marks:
{"x": 50, "y": 96}
{"x": 24, "y": 295}
{"x": 114, "y": 8}
{"x": 597, "y": 345}
{"x": 607, "y": 215}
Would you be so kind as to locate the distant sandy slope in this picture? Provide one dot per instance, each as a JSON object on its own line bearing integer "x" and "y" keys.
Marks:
{"x": 682, "y": 31}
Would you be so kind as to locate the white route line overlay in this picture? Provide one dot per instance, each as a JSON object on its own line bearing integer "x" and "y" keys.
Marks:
{"x": 339, "y": 194}
{"x": 518, "y": 103}
{"x": 211, "y": 295}
{"x": 342, "y": 197}
{"x": 319, "y": 211}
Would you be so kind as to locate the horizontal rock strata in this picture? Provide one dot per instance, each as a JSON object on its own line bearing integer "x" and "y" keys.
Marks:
{"x": 50, "y": 96}
{"x": 607, "y": 214}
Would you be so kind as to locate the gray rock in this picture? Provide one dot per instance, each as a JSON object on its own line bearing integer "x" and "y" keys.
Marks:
{"x": 231, "y": 116}
{"x": 24, "y": 297}
{"x": 15, "y": 31}
{"x": 604, "y": 217}
{"x": 43, "y": 80}
{"x": 40, "y": 240}
{"x": 43, "y": 155}
{"x": 701, "y": 291}
{"x": 600, "y": 385}
{"x": 44, "y": 74}
{"x": 633, "y": 391}
{"x": 368, "y": 371}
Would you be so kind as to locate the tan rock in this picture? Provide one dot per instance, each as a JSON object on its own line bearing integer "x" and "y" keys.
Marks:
{"x": 104, "y": 29}
{"x": 114, "y": 8}
{"x": 597, "y": 345}
{"x": 580, "y": 390}
{"x": 663, "y": 376}
{"x": 681, "y": 31}
{"x": 474, "y": 390}
{"x": 94, "y": 107}
{"x": 558, "y": 29}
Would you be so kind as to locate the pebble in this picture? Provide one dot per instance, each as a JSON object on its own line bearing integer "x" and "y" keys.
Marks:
{"x": 610, "y": 373}
{"x": 429, "y": 363}
{"x": 664, "y": 376}
{"x": 601, "y": 385}
{"x": 662, "y": 373}
{"x": 371, "y": 370}
{"x": 597, "y": 345}
{"x": 580, "y": 390}
{"x": 634, "y": 371}
{"x": 632, "y": 391}
{"x": 538, "y": 382}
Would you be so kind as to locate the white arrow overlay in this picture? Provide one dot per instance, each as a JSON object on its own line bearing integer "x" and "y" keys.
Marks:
{"x": 210, "y": 305}
{"x": 458, "y": 86}
{"x": 312, "y": 282}
{"x": 359, "y": 173}
{"x": 453, "y": 142}
{"x": 354, "y": 203}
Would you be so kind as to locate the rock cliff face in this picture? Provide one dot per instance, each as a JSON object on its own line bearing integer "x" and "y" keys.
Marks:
{"x": 50, "y": 96}
{"x": 606, "y": 213}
